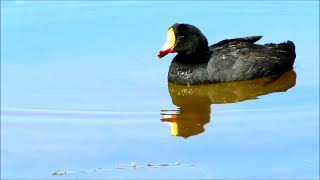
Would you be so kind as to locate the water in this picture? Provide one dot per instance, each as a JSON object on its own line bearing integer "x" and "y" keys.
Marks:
{"x": 83, "y": 96}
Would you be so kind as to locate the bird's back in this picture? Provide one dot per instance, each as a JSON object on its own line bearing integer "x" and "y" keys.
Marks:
{"x": 241, "y": 59}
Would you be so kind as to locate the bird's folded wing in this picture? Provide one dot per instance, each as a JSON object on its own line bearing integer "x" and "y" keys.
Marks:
{"x": 249, "y": 39}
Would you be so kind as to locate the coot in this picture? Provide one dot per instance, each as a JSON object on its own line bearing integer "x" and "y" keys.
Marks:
{"x": 228, "y": 60}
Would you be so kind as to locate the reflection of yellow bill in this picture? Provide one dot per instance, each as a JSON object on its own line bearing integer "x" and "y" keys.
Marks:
{"x": 173, "y": 128}
{"x": 170, "y": 119}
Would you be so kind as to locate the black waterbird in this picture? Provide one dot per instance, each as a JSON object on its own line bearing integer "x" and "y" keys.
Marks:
{"x": 228, "y": 60}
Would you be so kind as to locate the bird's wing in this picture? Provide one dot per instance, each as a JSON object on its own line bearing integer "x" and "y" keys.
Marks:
{"x": 249, "y": 39}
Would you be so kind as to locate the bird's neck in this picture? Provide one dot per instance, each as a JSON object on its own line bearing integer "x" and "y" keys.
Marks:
{"x": 187, "y": 72}
{"x": 200, "y": 56}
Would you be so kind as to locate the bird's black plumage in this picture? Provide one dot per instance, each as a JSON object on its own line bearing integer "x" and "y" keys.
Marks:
{"x": 228, "y": 60}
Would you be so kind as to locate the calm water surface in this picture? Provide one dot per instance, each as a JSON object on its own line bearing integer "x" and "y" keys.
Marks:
{"x": 83, "y": 96}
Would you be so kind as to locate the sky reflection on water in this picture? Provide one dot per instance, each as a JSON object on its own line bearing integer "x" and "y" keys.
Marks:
{"x": 81, "y": 89}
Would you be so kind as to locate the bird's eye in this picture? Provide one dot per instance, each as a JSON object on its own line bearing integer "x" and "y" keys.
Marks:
{"x": 180, "y": 37}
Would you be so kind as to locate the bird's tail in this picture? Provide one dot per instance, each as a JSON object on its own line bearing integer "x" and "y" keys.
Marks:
{"x": 285, "y": 49}
{"x": 289, "y": 47}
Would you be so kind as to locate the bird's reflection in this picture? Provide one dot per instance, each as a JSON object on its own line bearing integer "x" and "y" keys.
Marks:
{"x": 194, "y": 102}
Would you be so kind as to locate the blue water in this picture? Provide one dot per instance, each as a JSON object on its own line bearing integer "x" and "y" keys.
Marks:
{"x": 82, "y": 92}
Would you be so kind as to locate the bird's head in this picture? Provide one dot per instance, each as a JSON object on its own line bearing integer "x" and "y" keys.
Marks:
{"x": 183, "y": 39}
